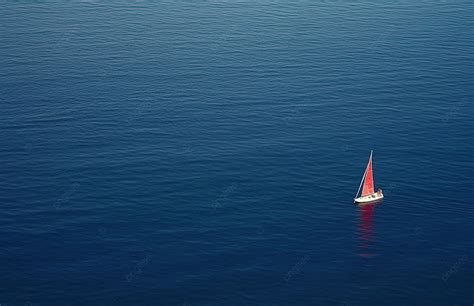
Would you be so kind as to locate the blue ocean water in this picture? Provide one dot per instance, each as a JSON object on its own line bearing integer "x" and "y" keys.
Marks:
{"x": 207, "y": 153}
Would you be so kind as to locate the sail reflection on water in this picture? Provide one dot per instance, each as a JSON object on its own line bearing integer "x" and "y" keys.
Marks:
{"x": 366, "y": 231}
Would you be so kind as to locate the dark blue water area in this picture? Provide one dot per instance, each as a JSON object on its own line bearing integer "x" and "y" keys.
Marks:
{"x": 208, "y": 153}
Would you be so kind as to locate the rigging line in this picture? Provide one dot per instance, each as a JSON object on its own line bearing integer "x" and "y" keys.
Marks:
{"x": 363, "y": 177}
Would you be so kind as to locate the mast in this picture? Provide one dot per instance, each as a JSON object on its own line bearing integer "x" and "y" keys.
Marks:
{"x": 367, "y": 185}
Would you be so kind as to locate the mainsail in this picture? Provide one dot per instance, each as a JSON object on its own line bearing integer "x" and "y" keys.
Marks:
{"x": 369, "y": 179}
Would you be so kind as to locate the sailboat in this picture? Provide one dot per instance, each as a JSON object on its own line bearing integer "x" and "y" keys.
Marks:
{"x": 368, "y": 195}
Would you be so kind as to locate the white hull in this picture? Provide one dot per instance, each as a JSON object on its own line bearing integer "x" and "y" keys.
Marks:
{"x": 369, "y": 198}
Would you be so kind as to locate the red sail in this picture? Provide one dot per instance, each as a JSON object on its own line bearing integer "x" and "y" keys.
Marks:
{"x": 369, "y": 180}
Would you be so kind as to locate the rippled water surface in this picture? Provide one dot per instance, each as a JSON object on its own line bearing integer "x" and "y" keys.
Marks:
{"x": 207, "y": 153}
